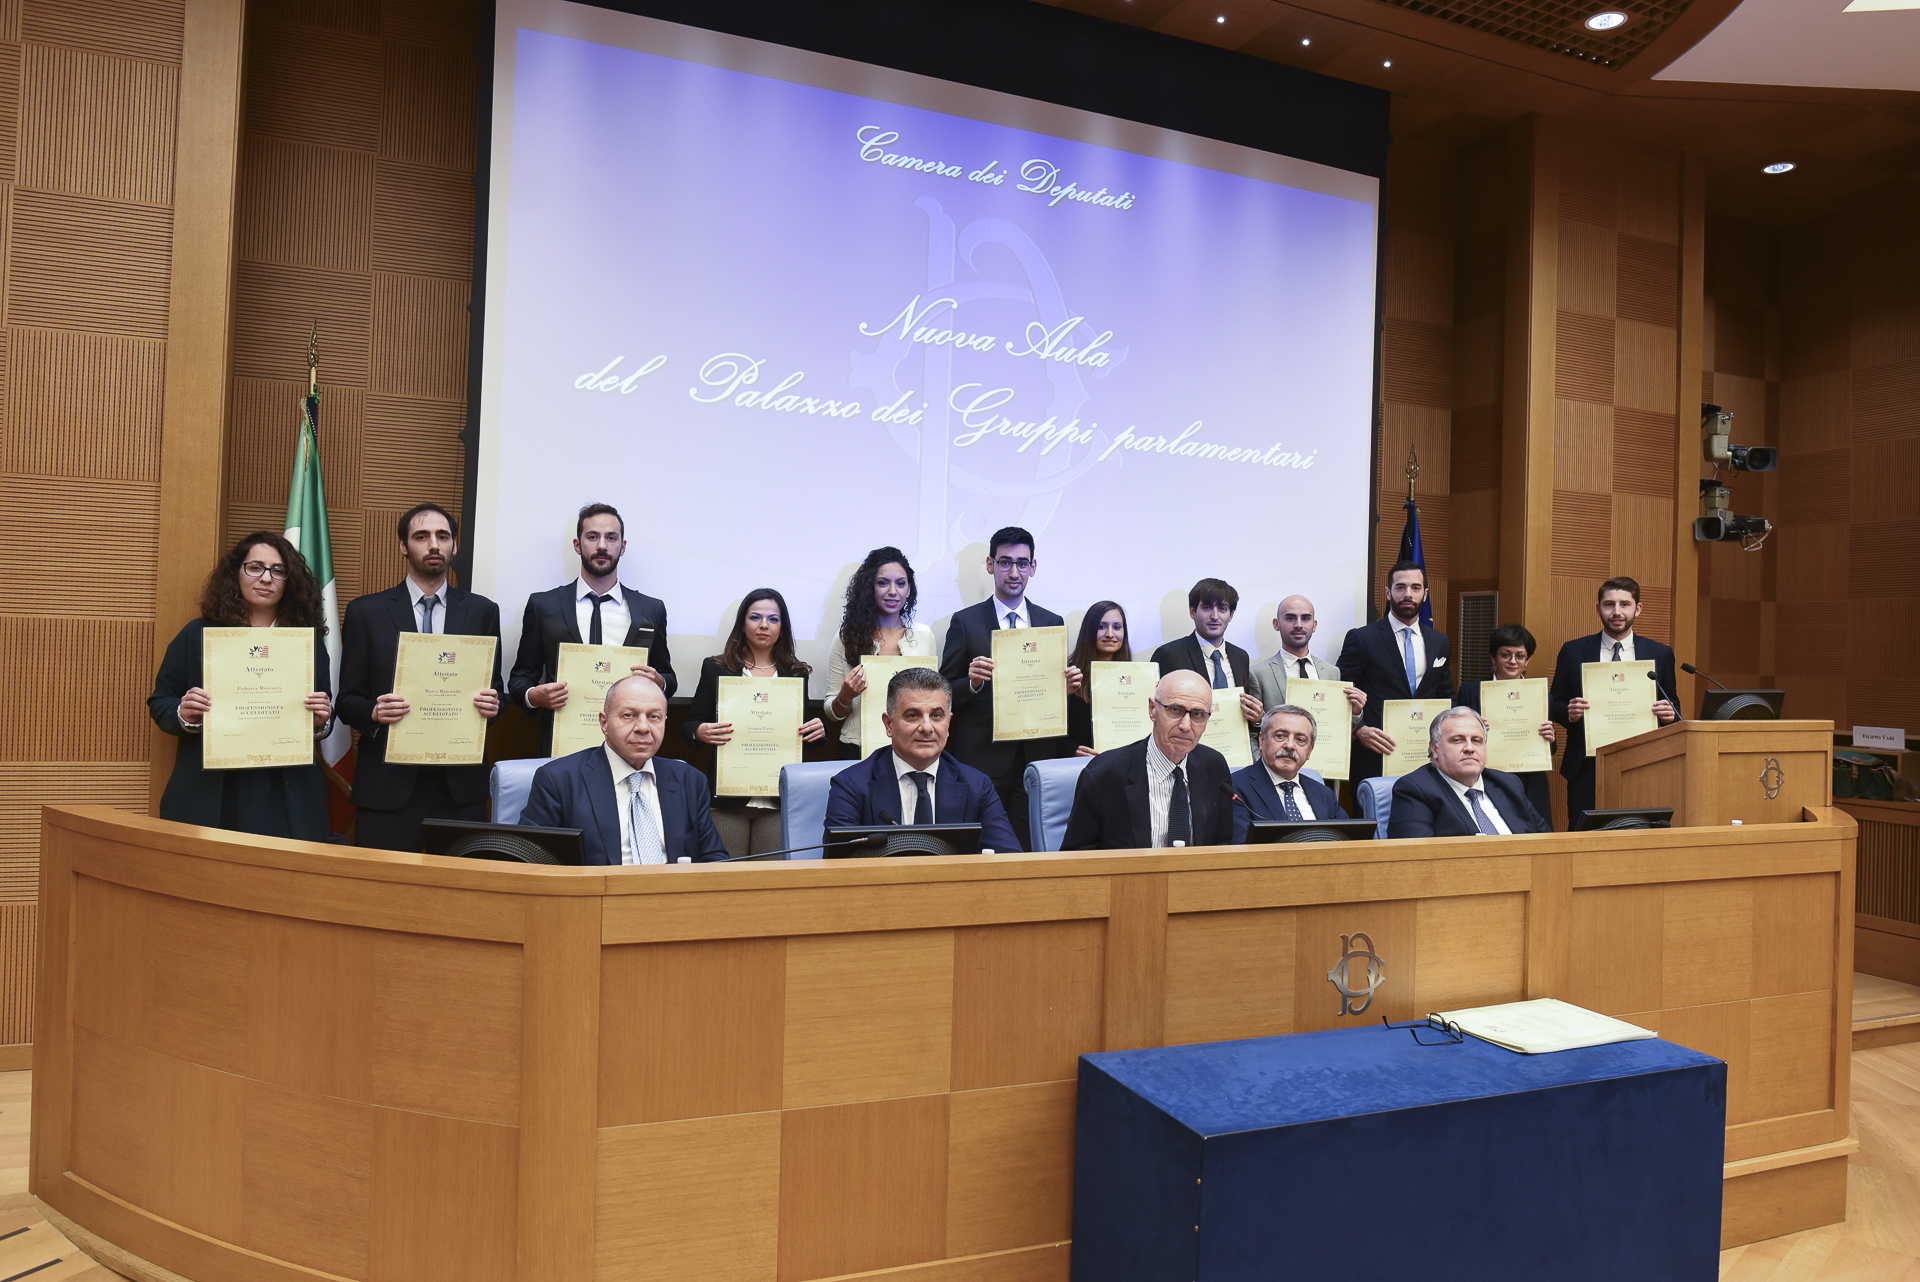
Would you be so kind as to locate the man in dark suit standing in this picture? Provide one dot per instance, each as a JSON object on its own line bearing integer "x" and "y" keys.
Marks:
{"x": 1169, "y": 789}
{"x": 1454, "y": 794}
{"x": 1395, "y": 657}
{"x": 630, "y": 806}
{"x": 1206, "y": 650}
{"x": 1273, "y": 787}
{"x": 391, "y": 800}
{"x": 1618, "y": 607}
{"x": 914, "y": 779}
{"x": 967, "y": 664}
{"x": 594, "y": 609}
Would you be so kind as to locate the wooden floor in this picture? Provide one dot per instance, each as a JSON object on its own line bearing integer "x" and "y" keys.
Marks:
{"x": 1880, "y": 1242}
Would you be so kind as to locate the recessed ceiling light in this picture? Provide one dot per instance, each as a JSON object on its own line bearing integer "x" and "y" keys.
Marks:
{"x": 1606, "y": 21}
{"x": 1221, "y": 18}
{"x": 1783, "y": 167}
{"x": 1306, "y": 40}
{"x": 1387, "y": 63}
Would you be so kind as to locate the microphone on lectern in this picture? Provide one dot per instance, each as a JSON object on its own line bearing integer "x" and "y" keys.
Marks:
{"x": 1689, "y": 668}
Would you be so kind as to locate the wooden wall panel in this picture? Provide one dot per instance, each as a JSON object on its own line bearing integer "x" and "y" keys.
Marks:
{"x": 305, "y": 205}
{"x": 10, "y": 53}
{"x": 61, "y": 385}
{"x": 429, "y": 110}
{"x": 433, "y": 311}
{"x": 315, "y": 85}
{"x": 77, "y": 263}
{"x": 98, "y": 125}
{"x": 423, "y": 220}
{"x": 46, "y": 521}
{"x": 134, "y": 28}
{"x": 275, "y": 308}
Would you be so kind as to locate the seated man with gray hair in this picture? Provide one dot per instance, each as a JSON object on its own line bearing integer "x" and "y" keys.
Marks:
{"x": 912, "y": 778}
{"x": 1273, "y": 787}
{"x": 1454, "y": 794}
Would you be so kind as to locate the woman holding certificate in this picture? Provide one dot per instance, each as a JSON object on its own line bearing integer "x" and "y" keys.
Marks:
{"x": 1103, "y": 639}
{"x": 245, "y": 689}
{"x": 1511, "y": 711}
{"x": 758, "y": 653}
{"x": 878, "y": 621}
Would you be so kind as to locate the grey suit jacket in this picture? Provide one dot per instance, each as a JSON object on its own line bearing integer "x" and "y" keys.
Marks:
{"x": 1268, "y": 678}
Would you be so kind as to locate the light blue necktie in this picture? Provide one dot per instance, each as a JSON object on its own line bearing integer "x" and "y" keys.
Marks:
{"x": 1287, "y": 806}
{"x": 426, "y": 611}
{"x": 1013, "y": 619}
{"x": 1480, "y": 816}
{"x": 648, "y": 846}
{"x": 1413, "y": 670}
{"x": 1220, "y": 681}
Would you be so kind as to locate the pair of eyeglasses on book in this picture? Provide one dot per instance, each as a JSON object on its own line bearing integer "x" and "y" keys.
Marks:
{"x": 1431, "y": 1031}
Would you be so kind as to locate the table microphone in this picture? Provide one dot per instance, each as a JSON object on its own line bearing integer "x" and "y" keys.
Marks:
{"x": 1689, "y": 668}
{"x": 1663, "y": 692}
{"x": 792, "y": 850}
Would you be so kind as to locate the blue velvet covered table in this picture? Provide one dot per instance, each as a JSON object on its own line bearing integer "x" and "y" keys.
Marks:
{"x": 1357, "y": 1154}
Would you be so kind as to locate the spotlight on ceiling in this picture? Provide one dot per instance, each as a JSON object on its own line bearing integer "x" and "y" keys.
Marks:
{"x": 1387, "y": 63}
{"x": 1781, "y": 167}
{"x": 1606, "y": 21}
{"x": 1306, "y": 40}
{"x": 1221, "y": 18}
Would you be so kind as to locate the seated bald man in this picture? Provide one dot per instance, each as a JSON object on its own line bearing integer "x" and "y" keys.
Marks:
{"x": 630, "y": 806}
{"x": 1454, "y": 794}
{"x": 1168, "y": 789}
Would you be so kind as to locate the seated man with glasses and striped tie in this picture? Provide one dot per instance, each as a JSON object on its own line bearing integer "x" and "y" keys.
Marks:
{"x": 1454, "y": 794}
{"x": 1169, "y": 789}
{"x": 913, "y": 779}
{"x": 594, "y": 609}
{"x": 1273, "y": 787}
{"x": 631, "y": 806}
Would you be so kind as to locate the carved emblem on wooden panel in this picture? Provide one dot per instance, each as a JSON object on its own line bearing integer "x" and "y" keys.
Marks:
{"x": 1357, "y": 974}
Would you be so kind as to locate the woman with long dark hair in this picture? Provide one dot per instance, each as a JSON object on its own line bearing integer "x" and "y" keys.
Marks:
{"x": 262, "y": 583}
{"x": 1103, "y": 639}
{"x": 760, "y": 645}
{"x": 878, "y": 620}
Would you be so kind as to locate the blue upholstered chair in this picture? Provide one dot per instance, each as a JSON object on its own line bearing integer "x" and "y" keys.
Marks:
{"x": 1376, "y": 799}
{"x": 509, "y": 785}
{"x": 803, "y": 804}
{"x": 1050, "y": 786}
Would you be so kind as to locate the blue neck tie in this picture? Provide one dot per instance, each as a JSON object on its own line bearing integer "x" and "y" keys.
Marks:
{"x": 649, "y": 847}
{"x": 923, "y": 803}
{"x": 1220, "y": 681}
{"x": 1287, "y": 806}
{"x": 1013, "y": 618}
{"x": 1616, "y": 652}
{"x": 1413, "y": 669}
{"x": 1480, "y": 816}
{"x": 426, "y": 611}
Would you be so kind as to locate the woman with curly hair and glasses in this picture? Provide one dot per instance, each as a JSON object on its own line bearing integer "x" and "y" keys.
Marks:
{"x": 262, "y": 583}
{"x": 878, "y": 620}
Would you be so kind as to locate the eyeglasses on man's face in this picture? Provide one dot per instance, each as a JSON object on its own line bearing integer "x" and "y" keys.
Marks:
{"x": 1176, "y": 713}
{"x": 1007, "y": 564}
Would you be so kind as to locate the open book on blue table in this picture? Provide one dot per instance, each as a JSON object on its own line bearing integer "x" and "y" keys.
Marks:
{"x": 1543, "y": 1025}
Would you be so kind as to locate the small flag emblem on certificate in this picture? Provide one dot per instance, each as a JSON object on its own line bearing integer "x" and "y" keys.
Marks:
{"x": 447, "y": 656}
{"x": 1029, "y": 647}
{"x": 1419, "y": 714}
{"x": 1513, "y": 696}
{"x": 761, "y": 696}
{"x": 257, "y": 652}
{"x": 1126, "y": 680}
{"x": 1618, "y": 676}
{"x": 602, "y": 665}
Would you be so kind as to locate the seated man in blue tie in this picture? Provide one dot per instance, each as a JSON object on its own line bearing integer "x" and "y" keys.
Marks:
{"x": 630, "y": 806}
{"x": 1273, "y": 787}
{"x": 1454, "y": 794}
{"x": 913, "y": 779}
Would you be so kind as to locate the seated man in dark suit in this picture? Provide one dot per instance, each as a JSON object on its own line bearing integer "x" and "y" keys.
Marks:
{"x": 630, "y": 806}
{"x": 1273, "y": 787}
{"x": 1455, "y": 795}
{"x": 1169, "y": 789}
{"x": 914, "y": 779}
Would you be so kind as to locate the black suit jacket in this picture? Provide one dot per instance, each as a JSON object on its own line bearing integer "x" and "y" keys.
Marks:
{"x": 1184, "y": 655}
{"x": 969, "y": 636}
{"x": 371, "y": 640}
{"x": 577, "y": 792}
{"x": 194, "y": 794}
{"x": 1255, "y": 797}
{"x": 551, "y": 618}
{"x": 1425, "y": 805}
{"x": 1110, "y": 803}
{"x": 869, "y": 793}
{"x": 1370, "y": 660}
{"x": 1567, "y": 687}
{"x": 706, "y": 707}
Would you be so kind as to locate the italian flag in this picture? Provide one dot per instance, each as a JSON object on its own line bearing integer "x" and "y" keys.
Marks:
{"x": 307, "y": 531}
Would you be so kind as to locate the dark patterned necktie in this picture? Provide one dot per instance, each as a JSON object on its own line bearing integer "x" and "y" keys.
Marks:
{"x": 1179, "y": 816}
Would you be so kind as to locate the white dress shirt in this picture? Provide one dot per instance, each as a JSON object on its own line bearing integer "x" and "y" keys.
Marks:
{"x": 1299, "y": 792}
{"x": 414, "y": 594}
{"x": 1626, "y": 649}
{"x": 625, "y": 780}
{"x": 1207, "y": 650}
{"x": 1160, "y": 791}
{"x": 1400, "y": 648}
{"x": 910, "y": 795}
{"x": 917, "y": 639}
{"x": 1302, "y": 665}
{"x": 1486, "y": 802}
{"x": 1001, "y": 610}
{"x": 614, "y": 617}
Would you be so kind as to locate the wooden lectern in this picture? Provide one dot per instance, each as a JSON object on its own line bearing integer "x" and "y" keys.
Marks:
{"x": 1713, "y": 772}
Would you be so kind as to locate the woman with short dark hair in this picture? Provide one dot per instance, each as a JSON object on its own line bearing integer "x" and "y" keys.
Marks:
{"x": 1512, "y": 648}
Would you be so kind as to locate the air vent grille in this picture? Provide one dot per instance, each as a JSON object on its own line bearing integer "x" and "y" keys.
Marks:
{"x": 1558, "y": 26}
{"x": 1478, "y": 611}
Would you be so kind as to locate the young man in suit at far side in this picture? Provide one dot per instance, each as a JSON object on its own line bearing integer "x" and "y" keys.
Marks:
{"x": 1169, "y": 789}
{"x": 1454, "y": 794}
{"x": 390, "y": 800}
{"x": 594, "y": 609}
{"x": 1274, "y": 787}
{"x": 1395, "y": 657}
{"x": 967, "y": 664}
{"x": 1618, "y": 607}
{"x": 631, "y": 806}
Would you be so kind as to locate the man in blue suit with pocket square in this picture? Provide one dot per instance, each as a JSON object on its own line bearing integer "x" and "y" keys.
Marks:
{"x": 914, "y": 779}
{"x": 631, "y": 806}
{"x": 1274, "y": 787}
{"x": 1397, "y": 656}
